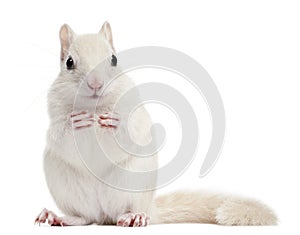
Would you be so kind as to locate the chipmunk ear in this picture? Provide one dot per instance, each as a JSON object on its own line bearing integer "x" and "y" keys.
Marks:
{"x": 106, "y": 33}
{"x": 66, "y": 36}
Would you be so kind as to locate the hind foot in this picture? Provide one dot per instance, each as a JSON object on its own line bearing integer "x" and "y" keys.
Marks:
{"x": 133, "y": 220}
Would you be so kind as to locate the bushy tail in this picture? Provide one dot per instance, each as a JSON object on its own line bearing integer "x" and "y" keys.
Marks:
{"x": 199, "y": 207}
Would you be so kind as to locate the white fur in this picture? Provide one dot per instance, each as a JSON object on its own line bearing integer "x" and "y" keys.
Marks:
{"x": 76, "y": 191}
{"x": 204, "y": 207}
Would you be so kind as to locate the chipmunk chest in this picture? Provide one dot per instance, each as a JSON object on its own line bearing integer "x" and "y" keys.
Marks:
{"x": 96, "y": 149}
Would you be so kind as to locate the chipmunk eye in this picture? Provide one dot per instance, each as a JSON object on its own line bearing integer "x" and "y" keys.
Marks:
{"x": 70, "y": 63}
{"x": 114, "y": 60}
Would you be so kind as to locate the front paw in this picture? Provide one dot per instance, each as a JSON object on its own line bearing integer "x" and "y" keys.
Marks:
{"x": 81, "y": 119}
{"x": 109, "y": 120}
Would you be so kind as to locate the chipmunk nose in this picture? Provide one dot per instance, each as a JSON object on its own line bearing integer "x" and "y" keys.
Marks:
{"x": 94, "y": 85}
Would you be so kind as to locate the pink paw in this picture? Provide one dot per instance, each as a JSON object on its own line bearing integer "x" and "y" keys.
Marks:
{"x": 49, "y": 216}
{"x": 133, "y": 220}
{"x": 109, "y": 120}
{"x": 81, "y": 119}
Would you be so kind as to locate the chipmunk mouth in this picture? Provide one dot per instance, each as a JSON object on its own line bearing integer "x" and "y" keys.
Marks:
{"x": 94, "y": 96}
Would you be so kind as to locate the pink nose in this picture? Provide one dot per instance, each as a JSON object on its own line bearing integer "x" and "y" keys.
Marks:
{"x": 94, "y": 85}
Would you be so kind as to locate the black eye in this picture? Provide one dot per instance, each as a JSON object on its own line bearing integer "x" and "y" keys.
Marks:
{"x": 70, "y": 63}
{"x": 114, "y": 60}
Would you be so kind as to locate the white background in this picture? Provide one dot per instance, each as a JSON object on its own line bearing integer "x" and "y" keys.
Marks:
{"x": 250, "y": 48}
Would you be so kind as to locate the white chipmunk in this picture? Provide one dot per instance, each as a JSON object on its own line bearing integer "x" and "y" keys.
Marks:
{"x": 79, "y": 194}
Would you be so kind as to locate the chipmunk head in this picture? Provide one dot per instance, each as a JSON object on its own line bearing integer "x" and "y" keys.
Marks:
{"x": 88, "y": 62}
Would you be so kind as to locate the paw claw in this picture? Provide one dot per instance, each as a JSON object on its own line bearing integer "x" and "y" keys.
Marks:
{"x": 49, "y": 216}
{"x": 109, "y": 120}
{"x": 81, "y": 119}
{"x": 133, "y": 220}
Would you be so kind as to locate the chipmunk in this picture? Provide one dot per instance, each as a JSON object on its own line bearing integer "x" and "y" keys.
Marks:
{"x": 78, "y": 193}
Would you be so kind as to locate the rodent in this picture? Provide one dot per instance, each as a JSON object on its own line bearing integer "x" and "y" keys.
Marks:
{"x": 77, "y": 192}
